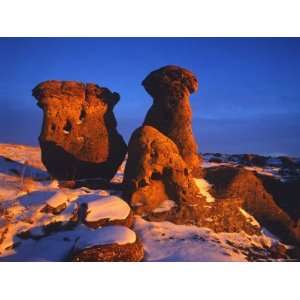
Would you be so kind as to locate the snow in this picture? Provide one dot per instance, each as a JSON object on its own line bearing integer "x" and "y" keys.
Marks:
{"x": 23, "y": 194}
{"x": 165, "y": 241}
{"x": 58, "y": 199}
{"x": 274, "y": 161}
{"x": 118, "y": 178}
{"x": 57, "y": 247}
{"x": 111, "y": 207}
{"x": 204, "y": 188}
{"x": 249, "y": 218}
{"x": 268, "y": 171}
{"x": 107, "y": 235}
{"x": 165, "y": 206}
{"x": 273, "y": 165}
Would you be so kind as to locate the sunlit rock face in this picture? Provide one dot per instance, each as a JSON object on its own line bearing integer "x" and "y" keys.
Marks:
{"x": 258, "y": 195}
{"x": 79, "y": 138}
{"x": 155, "y": 172}
{"x": 171, "y": 113}
{"x": 157, "y": 176}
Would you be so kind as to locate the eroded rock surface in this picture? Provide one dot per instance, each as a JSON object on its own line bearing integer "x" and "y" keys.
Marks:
{"x": 79, "y": 138}
{"x": 238, "y": 184}
{"x": 155, "y": 172}
{"x": 171, "y": 113}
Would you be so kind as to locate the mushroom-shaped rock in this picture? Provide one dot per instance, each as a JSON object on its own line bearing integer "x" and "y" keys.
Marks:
{"x": 171, "y": 113}
{"x": 79, "y": 138}
{"x": 109, "y": 243}
{"x": 108, "y": 211}
{"x": 155, "y": 172}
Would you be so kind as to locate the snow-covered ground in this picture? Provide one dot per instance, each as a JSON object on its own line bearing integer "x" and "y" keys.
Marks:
{"x": 30, "y": 232}
{"x": 165, "y": 241}
{"x": 270, "y": 166}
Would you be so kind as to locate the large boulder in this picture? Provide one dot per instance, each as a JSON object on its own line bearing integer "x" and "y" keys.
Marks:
{"x": 155, "y": 172}
{"x": 79, "y": 138}
{"x": 239, "y": 184}
{"x": 171, "y": 113}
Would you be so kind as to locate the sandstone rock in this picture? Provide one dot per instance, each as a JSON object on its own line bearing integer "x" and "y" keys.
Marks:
{"x": 79, "y": 137}
{"x": 224, "y": 215}
{"x": 171, "y": 113}
{"x": 243, "y": 185}
{"x": 111, "y": 253}
{"x": 110, "y": 243}
{"x": 155, "y": 172}
{"x": 285, "y": 194}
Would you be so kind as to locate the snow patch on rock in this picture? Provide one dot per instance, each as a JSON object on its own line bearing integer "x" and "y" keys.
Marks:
{"x": 166, "y": 241}
{"x": 112, "y": 208}
{"x": 249, "y": 218}
{"x": 204, "y": 187}
{"x": 165, "y": 206}
{"x": 107, "y": 235}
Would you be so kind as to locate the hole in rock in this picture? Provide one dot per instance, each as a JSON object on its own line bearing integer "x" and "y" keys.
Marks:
{"x": 168, "y": 171}
{"x": 82, "y": 115}
{"x": 68, "y": 127}
{"x": 156, "y": 176}
{"x": 142, "y": 183}
{"x": 186, "y": 172}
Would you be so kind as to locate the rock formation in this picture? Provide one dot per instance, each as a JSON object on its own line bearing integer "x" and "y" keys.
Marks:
{"x": 79, "y": 138}
{"x": 155, "y": 172}
{"x": 171, "y": 113}
{"x": 243, "y": 185}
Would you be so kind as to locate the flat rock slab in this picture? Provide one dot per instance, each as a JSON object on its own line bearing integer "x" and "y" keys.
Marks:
{"x": 108, "y": 211}
{"x": 110, "y": 243}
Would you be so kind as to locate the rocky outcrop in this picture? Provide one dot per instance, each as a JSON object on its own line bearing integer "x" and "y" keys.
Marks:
{"x": 155, "y": 172}
{"x": 111, "y": 253}
{"x": 285, "y": 194}
{"x": 79, "y": 138}
{"x": 238, "y": 184}
{"x": 171, "y": 113}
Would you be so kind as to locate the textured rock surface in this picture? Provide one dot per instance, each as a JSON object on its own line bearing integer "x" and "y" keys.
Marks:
{"x": 111, "y": 253}
{"x": 155, "y": 172}
{"x": 242, "y": 185}
{"x": 285, "y": 194}
{"x": 79, "y": 137}
{"x": 171, "y": 113}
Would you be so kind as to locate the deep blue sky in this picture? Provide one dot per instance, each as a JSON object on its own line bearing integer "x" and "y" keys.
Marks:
{"x": 248, "y": 101}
